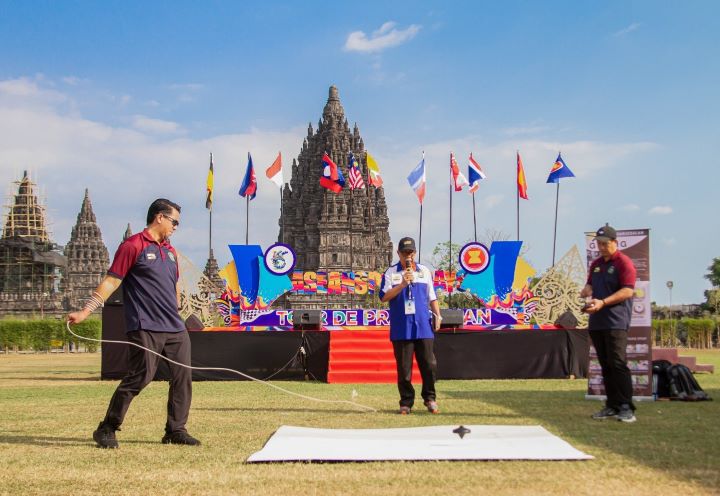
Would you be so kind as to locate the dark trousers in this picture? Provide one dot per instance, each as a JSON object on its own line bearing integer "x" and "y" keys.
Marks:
{"x": 423, "y": 351}
{"x": 610, "y": 346}
{"x": 141, "y": 371}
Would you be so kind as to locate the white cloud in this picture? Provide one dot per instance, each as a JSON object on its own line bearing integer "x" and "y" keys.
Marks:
{"x": 630, "y": 207}
{"x": 660, "y": 210}
{"x": 385, "y": 37}
{"x": 156, "y": 126}
{"x": 670, "y": 241}
{"x": 493, "y": 200}
{"x": 627, "y": 30}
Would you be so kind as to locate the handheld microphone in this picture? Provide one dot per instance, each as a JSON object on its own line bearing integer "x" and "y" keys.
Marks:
{"x": 408, "y": 270}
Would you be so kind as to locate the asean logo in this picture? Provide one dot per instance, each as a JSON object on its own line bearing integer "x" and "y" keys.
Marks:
{"x": 474, "y": 257}
{"x": 279, "y": 259}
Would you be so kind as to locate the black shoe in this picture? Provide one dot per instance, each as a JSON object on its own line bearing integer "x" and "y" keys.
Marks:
{"x": 626, "y": 415}
{"x": 180, "y": 437}
{"x": 104, "y": 436}
{"x": 605, "y": 413}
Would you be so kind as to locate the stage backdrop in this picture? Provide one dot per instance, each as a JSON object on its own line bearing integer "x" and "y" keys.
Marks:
{"x": 636, "y": 245}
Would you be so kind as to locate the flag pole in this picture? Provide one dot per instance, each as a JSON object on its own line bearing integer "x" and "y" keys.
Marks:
{"x": 557, "y": 197}
{"x": 247, "y": 218}
{"x": 517, "y": 195}
{"x": 210, "y": 212}
{"x": 420, "y": 238}
{"x": 474, "y": 219}
{"x": 450, "y": 241}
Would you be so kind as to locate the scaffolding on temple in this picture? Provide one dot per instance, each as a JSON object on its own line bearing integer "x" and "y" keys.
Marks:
{"x": 30, "y": 262}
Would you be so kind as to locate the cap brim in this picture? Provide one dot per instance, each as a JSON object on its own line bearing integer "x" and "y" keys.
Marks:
{"x": 603, "y": 238}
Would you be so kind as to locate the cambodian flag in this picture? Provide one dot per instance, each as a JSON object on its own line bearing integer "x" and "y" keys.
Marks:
{"x": 332, "y": 178}
{"x": 248, "y": 188}
{"x": 475, "y": 174}
{"x": 417, "y": 179}
{"x": 559, "y": 170}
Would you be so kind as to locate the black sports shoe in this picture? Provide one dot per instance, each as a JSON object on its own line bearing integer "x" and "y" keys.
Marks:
{"x": 605, "y": 413}
{"x": 180, "y": 437}
{"x": 104, "y": 436}
{"x": 626, "y": 415}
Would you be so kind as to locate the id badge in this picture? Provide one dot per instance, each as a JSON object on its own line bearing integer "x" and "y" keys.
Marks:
{"x": 409, "y": 307}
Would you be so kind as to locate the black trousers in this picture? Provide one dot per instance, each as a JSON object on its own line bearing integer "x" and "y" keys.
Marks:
{"x": 610, "y": 346}
{"x": 423, "y": 351}
{"x": 141, "y": 371}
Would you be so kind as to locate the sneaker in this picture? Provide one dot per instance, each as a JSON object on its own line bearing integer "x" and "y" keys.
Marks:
{"x": 404, "y": 410}
{"x": 180, "y": 437}
{"x": 605, "y": 413}
{"x": 104, "y": 436}
{"x": 626, "y": 415}
{"x": 432, "y": 407}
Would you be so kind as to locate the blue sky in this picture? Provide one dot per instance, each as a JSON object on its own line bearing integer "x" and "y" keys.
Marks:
{"x": 129, "y": 98}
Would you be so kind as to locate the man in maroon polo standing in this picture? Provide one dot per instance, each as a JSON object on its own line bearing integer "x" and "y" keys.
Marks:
{"x": 147, "y": 267}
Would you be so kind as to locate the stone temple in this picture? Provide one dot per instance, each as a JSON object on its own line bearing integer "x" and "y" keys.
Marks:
{"x": 87, "y": 258}
{"x": 345, "y": 232}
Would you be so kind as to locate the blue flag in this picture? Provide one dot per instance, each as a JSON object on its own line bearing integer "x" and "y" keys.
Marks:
{"x": 249, "y": 185}
{"x": 559, "y": 170}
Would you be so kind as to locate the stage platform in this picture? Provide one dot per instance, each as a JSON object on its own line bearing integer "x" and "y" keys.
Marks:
{"x": 461, "y": 354}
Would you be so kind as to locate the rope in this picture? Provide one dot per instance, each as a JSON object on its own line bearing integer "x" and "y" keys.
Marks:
{"x": 223, "y": 369}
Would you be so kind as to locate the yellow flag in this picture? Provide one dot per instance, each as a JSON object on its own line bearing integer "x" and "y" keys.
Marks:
{"x": 374, "y": 171}
{"x": 210, "y": 181}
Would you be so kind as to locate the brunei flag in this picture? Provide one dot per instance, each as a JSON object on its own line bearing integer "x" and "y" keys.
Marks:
{"x": 521, "y": 182}
{"x": 373, "y": 170}
{"x": 559, "y": 170}
{"x": 210, "y": 181}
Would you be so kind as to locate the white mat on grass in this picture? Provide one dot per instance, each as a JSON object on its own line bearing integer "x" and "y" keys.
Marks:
{"x": 484, "y": 442}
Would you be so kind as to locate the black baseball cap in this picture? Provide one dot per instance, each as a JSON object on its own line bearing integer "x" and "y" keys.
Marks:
{"x": 406, "y": 244}
{"x": 606, "y": 233}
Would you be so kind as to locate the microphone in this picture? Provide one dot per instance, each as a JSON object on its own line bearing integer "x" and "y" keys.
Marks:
{"x": 408, "y": 270}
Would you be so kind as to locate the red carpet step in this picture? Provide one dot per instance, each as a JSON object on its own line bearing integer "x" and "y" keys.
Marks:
{"x": 363, "y": 357}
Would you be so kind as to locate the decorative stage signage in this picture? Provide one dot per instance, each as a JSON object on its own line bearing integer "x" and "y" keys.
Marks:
{"x": 358, "y": 319}
{"x": 636, "y": 245}
{"x": 498, "y": 277}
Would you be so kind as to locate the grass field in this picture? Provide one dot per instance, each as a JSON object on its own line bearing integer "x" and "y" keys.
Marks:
{"x": 51, "y": 403}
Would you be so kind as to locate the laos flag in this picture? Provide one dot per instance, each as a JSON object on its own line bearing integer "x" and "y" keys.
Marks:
{"x": 559, "y": 170}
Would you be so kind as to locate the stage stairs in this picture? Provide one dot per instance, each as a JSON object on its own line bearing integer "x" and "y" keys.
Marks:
{"x": 363, "y": 357}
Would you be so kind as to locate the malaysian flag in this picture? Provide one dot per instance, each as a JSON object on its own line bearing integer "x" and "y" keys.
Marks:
{"x": 354, "y": 174}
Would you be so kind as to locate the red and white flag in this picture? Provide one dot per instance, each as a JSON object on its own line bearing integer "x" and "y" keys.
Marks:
{"x": 274, "y": 172}
{"x": 457, "y": 178}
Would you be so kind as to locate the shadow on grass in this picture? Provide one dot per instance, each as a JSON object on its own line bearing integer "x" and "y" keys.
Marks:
{"x": 59, "y": 379}
{"x": 61, "y": 441}
{"x": 680, "y": 437}
{"x": 418, "y": 411}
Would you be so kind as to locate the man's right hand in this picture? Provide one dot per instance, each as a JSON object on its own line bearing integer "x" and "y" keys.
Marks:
{"x": 77, "y": 317}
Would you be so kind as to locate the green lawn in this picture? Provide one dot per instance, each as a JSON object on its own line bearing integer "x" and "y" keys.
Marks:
{"x": 51, "y": 403}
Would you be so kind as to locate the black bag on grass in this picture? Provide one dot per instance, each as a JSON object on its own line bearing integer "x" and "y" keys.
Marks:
{"x": 682, "y": 384}
{"x": 661, "y": 383}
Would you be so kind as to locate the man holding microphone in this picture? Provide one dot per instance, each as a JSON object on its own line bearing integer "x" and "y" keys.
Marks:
{"x": 408, "y": 287}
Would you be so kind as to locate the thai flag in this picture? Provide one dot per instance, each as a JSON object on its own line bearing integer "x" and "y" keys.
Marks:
{"x": 456, "y": 177}
{"x": 475, "y": 174}
{"x": 332, "y": 178}
{"x": 417, "y": 179}
{"x": 559, "y": 170}
{"x": 249, "y": 185}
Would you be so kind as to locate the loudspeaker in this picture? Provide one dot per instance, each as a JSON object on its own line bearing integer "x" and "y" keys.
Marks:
{"x": 567, "y": 320}
{"x": 452, "y": 318}
{"x": 193, "y": 323}
{"x": 308, "y": 320}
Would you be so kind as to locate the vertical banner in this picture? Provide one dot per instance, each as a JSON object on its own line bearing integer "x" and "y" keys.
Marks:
{"x": 636, "y": 245}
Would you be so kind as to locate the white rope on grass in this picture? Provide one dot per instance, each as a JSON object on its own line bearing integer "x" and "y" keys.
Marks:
{"x": 223, "y": 369}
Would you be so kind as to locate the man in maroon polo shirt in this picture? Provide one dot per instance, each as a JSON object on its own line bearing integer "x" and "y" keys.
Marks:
{"x": 146, "y": 265}
{"x": 609, "y": 290}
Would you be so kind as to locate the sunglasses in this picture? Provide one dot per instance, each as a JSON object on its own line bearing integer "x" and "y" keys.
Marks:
{"x": 174, "y": 222}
